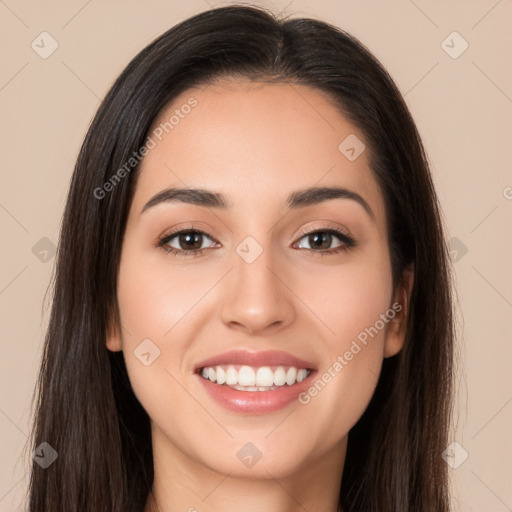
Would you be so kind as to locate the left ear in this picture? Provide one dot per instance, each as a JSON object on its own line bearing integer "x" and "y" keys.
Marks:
{"x": 397, "y": 327}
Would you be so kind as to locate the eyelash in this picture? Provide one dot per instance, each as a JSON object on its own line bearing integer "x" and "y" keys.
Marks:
{"x": 347, "y": 241}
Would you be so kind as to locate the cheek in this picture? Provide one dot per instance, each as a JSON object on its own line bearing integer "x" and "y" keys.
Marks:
{"x": 353, "y": 302}
{"x": 158, "y": 305}
{"x": 349, "y": 297}
{"x": 155, "y": 306}
{"x": 157, "y": 299}
{"x": 345, "y": 384}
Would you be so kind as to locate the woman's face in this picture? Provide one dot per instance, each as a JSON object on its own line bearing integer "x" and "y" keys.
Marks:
{"x": 282, "y": 274}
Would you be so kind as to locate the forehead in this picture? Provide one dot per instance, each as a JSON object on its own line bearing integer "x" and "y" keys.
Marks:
{"x": 256, "y": 143}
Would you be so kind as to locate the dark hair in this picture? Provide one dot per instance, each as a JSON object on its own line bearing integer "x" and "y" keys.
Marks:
{"x": 86, "y": 408}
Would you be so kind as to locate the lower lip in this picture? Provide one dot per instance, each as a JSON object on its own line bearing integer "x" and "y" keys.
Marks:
{"x": 255, "y": 402}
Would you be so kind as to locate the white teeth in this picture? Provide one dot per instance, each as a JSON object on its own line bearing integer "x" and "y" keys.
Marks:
{"x": 253, "y": 388}
{"x": 301, "y": 375}
{"x": 247, "y": 378}
{"x": 291, "y": 376}
{"x": 221, "y": 375}
{"x": 246, "y": 388}
{"x": 264, "y": 377}
{"x": 279, "y": 376}
{"x": 231, "y": 376}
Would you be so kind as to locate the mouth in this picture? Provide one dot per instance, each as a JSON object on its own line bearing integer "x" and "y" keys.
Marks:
{"x": 248, "y": 378}
{"x": 255, "y": 383}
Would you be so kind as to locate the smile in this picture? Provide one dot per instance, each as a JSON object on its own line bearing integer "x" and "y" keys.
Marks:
{"x": 248, "y": 378}
{"x": 254, "y": 382}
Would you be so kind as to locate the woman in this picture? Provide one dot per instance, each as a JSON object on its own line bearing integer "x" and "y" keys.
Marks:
{"x": 252, "y": 300}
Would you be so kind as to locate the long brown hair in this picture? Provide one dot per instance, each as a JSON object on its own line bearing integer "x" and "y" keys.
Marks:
{"x": 85, "y": 407}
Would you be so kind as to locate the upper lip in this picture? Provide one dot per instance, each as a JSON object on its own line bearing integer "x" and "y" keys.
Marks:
{"x": 256, "y": 359}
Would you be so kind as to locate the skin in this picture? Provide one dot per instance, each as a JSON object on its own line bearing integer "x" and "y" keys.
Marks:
{"x": 255, "y": 143}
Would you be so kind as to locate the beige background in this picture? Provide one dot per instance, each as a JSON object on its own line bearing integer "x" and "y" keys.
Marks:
{"x": 463, "y": 109}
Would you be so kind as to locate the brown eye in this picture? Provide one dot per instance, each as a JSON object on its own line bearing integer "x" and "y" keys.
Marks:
{"x": 186, "y": 242}
{"x": 322, "y": 240}
{"x": 190, "y": 240}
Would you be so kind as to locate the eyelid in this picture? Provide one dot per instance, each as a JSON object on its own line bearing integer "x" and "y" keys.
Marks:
{"x": 185, "y": 228}
{"x": 324, "y": 227}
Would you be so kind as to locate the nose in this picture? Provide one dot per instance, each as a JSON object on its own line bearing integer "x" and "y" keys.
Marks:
{"x": 257, "y": 299}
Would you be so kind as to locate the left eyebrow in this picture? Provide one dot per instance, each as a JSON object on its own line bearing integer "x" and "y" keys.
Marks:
{"x": 211, "y": 199}
{"x": 315, "y": 195}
